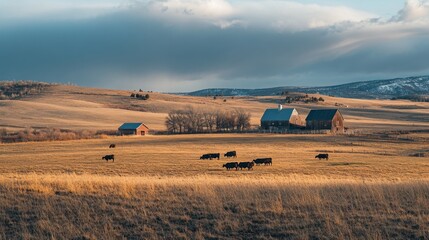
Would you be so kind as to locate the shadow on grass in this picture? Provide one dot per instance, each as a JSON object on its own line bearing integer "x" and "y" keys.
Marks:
{"x": 345, "y": 163}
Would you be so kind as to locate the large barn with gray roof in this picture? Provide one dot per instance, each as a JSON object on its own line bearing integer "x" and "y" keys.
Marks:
{"x": 281, "y": 118}
{"x": 325, "y": 119}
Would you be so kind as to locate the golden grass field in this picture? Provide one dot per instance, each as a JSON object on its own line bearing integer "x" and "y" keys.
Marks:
{"x": 371, "y": 187}
{"x": 72, "y": 107}
{"x": 157, "y": 188}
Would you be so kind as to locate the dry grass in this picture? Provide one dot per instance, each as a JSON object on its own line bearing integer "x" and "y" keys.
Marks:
{"x": 356, "y": 157}
{"x": 371, "y": 188}
{"x": 295, "y": 207}
{"x": 158, "y": 188}
{"x": 79, "y": 108}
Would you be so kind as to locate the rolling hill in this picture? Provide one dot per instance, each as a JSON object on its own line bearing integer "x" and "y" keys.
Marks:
{"x": 383, "y": 89}
{"x": 74, "y": 107}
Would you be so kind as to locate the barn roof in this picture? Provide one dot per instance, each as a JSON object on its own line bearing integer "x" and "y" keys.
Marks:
{"x": 275, "y": 114}
{"x": 131, "y": 126}
{"x": 321, "y": 114}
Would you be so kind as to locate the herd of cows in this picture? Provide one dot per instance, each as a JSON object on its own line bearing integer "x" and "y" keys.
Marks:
{"x": 229, "y": 165}
{"x": 237, "y": 165}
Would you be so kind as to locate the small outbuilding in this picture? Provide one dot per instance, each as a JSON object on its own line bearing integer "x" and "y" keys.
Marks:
{"x": 133, "y": 129}
{"x": 325, "y": 119}
{"x": 281, "y": 118}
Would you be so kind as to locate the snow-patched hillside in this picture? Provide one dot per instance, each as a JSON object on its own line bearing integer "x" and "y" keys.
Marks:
{"x": 369, "y": 89}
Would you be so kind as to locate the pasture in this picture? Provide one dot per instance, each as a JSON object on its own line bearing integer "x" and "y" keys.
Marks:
{"x": 77, "y": 108}
{"x": 370, "y": 188}
{"x": 178, "y": 155}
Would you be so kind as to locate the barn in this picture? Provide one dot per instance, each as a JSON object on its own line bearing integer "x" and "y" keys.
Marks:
{"x": 133, "y": 129}
{"x": 281, "y": 118}
{"x": 325, "y": 119}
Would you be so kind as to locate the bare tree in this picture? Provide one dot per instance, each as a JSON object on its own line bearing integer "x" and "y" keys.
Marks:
{"x": 221, "y": 120}
{"x": 191, "y": 120}
{"x": 171, "y": 122}
{"x": 209, "y": 119}
{"x": 243, "y": 119}
{"x": 230, "y": 121}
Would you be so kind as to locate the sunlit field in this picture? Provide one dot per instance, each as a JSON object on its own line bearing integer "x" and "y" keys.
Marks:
{"x": 371, "y": 187}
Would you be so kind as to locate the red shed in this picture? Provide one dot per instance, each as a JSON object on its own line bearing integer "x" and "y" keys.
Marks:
{"x": 133, "y": 129}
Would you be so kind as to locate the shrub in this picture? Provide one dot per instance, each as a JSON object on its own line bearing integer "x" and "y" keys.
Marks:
{"x": 140, "y": 96}
{"x": 18, "y": 89}
{"x": 50, "y": 134}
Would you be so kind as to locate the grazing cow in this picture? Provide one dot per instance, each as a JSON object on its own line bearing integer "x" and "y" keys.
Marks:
{"x": 112, "y": 146}
{"x": 231, "y": 165}
{"x": 230, "y": 154}
{"x": 109, "y": 157}
{"x": 265, "y": 161}
{"x": 322, "y": 156}
{"x": 268, "y": 161}
{"x": 248, "y": 165}
{"x": 210, "y": 156}
{"x": 259, "y": 161}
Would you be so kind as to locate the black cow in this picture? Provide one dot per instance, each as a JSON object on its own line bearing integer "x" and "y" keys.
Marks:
{"x": 322, "y": 156}
{"x": 109, "y": 157}
{"x": 210, "y": 156}
{"x": 265, "y": 161}
{"x": 112, "y": 146}
{"x": 230, "y": 154}
{"x": 248, "y": 165}
{"x": 205, "y": 156}
{"x": 231, "y": 165}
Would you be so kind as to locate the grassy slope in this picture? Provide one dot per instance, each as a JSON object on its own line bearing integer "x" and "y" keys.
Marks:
{"x": 84, "y": 207}
{"x": 355, "y": 157}
{"x": 157, "y": 188}
{"x": 88, "y": 108}
{"x": 370, "y": 188}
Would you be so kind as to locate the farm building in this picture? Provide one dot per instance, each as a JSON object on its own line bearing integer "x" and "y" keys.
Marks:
{"x": 325, "y": 119}
{"x": 281, "y": 118}
{"x": 133, "y": 129}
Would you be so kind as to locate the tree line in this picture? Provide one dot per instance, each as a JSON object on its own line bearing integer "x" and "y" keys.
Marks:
{"x": 192, "y": 120}
{"x": 18, "y": 89}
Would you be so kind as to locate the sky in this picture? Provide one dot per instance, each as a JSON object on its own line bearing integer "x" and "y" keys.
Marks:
{"x": 186, "y": 45}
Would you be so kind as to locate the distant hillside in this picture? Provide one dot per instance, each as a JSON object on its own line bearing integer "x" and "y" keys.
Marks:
{"x": 391, "y": 88}
{"x": 18, "y": 89}
{"x": 34, "y": 105}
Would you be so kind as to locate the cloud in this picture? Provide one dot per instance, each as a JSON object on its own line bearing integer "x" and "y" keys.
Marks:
{"x": 414, "y": 10}
{"x": 174, "y": 45}
{"x": 56, "y": 9}
{"x": 278, "y": 15}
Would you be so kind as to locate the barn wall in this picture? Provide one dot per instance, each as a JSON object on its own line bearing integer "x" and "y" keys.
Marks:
{"x": 274, "y": 124}
{"x": 338, "y": 123}
{"x": 297, "y": 121}
{"x": 319, "y": 125}
{"x": 127, "y": 132}
{"x": 142, "y": 129}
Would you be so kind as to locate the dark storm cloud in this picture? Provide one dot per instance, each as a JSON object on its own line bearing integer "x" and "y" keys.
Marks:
{"x": 131, "y": 48}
